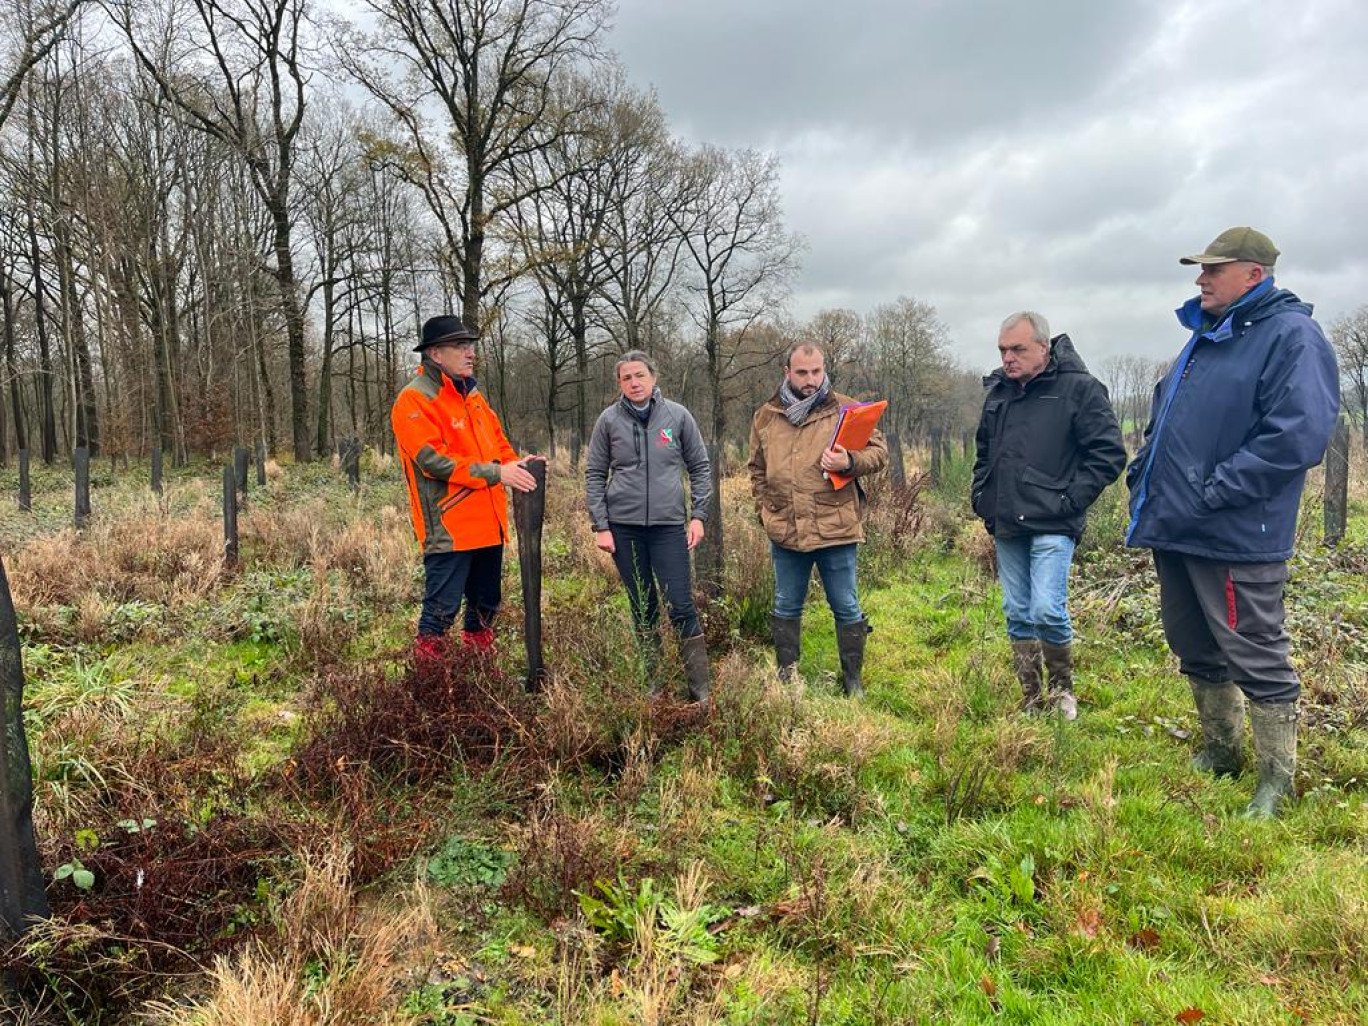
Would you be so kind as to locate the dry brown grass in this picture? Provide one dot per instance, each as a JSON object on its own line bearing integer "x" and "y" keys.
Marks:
{"x": 335, "y": 964}
{"x": 150, "y": 557}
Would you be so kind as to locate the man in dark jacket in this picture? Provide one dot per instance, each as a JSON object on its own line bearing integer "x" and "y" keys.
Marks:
{"x": 1048, "y": 444}
{"x": 1244, "y": 411}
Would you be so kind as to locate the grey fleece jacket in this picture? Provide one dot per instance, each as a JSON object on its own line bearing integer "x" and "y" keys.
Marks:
{"x": 634, "y": 472}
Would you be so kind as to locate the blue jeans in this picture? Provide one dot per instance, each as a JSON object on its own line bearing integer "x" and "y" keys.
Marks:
{"x": 646, "y": 556}
{"x": 1034, "y": 571}
{"x": 793, "y": 571}
{"x": 450, "y": 576}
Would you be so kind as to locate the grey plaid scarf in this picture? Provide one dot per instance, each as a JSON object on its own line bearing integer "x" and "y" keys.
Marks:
{"x": 797, "y": 410}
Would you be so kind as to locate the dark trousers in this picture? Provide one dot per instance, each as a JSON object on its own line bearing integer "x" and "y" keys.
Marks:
{"x": 1224, "y": 621}
{"x": 646, "y": 556}
{"x": 474, "y": 575}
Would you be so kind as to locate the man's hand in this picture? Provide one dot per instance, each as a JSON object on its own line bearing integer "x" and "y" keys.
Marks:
{"x": 517, "y": 477}
{"x": 604, "y": 540}
{"x": 695, "y": 533}
{"x": 837, "y": 460}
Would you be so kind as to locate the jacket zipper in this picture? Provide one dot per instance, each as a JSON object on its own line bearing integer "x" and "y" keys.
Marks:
{"x": 479, "y": 445}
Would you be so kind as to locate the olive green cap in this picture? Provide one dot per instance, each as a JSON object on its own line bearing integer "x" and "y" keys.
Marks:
{"x": 1236, "y": 244}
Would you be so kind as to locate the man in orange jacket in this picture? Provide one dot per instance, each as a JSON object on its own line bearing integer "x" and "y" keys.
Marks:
{"x": 457, "y": 462}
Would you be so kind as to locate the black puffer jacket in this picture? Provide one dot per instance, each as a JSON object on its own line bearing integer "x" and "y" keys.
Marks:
{"x": 1045, "y": 451}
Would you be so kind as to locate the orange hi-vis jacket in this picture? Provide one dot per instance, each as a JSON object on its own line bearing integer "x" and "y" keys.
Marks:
{"x": 451, "y": 445}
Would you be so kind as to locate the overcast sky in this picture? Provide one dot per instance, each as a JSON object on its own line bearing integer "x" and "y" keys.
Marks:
{"x": 989, "y": 155}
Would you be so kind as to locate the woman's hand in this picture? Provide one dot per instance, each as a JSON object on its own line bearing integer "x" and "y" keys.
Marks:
{"x": 604, "y": 540}
{"x": 695, "y": 533}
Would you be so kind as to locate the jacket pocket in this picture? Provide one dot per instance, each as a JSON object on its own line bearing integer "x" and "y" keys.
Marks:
{"x": 837, "y": 514}
{"x": 1254, "y": 593}
{"x": 1042, "y": 496}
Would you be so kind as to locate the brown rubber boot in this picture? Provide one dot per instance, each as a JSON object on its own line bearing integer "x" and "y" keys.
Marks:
{"x": 1029, "y": 663}
{"x": 1059, "y": 670}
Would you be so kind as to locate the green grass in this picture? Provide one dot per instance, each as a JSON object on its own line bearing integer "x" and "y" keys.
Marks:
{"x": 925, "y": 856}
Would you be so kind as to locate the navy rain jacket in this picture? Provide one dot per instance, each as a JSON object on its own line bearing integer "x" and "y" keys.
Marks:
{"x": 1241, "y": 415}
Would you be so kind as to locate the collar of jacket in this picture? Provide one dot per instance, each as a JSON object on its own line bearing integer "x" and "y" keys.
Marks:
{"x": 1253, "y": 305}
{"x": 644, "y": 416}
{"x": 829, "y": 401}
{"x": 462, "y": 385}
{"x": 1063, "y": 359}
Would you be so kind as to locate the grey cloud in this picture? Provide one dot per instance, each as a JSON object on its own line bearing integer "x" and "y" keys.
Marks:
{"x": 989, "y": 156}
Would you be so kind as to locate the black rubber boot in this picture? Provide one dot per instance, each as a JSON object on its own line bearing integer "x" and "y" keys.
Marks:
{"x": 694, "y": 653}
{"x": 850, "y": 644}
{"x": 787, "y": 636}
{"x": 1029, "y": 662}
{"x": 1059, "y": 673}
{"x": 1220, "y": 708}
{"x": 1275, "y": 754}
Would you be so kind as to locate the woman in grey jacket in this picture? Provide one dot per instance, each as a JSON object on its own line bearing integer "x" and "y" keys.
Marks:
{"x": 640, "y": 450}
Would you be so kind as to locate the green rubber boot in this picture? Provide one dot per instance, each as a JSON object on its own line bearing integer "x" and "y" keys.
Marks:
{"x": 1220, "y": 707}
{"x": 1275, "y": 754}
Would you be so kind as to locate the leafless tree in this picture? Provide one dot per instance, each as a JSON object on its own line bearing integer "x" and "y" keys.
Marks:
{"x": 741, "y": 260}
{"x": 482, "y": 70}
{"x": 236, "y": 72}
{"x": 1349, "y": 335}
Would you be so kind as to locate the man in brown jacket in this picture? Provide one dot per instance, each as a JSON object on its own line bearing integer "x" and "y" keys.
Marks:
{"x": 809, "y": 522}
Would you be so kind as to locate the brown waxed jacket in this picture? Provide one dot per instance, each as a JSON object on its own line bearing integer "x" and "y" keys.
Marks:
{"x": 798, "y": 506}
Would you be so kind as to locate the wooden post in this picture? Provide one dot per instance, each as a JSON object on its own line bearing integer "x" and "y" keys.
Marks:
{"x": 261, "y": 464}
{"x": 937, "y": 451}
{"x": 529, "y": 512}
{"x": 351, "y": 462}
{"x": 240, "y": 469}
{"x": 1337, "y": 484}
{"x": 22, "y": 898}
{"x": 709, "y": 556}
{"x": 230, "y": 526}
{"x": 25, "y": 485}
{"x": 897, "y": 469}
{"x": 157, "y": 468}
{"x": 82, "y": 486}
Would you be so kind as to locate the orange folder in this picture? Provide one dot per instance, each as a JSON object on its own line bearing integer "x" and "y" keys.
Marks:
{"x": 854, "y": 427}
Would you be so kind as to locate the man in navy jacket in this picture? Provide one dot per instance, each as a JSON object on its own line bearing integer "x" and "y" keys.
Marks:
{"x": 1246, "y": 408}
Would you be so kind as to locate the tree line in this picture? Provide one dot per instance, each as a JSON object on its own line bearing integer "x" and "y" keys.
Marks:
{"x": 222, "y": 221}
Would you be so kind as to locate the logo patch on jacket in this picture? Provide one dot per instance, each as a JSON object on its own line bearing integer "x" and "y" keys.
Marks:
{"x": 667, "y": 438}
{"x": 457, "y": 423}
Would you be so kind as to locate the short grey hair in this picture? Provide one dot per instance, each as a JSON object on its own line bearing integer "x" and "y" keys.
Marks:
{"x": 1267, "y": 270}
{"x": 635, "y": 356}
{"x": 802, "y": 347}
{"x": 1040, "y": 327}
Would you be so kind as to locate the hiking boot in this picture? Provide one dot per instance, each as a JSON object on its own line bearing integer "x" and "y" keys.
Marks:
{"x": 788, "y": 635}
{"x": 1059, "y": 674}
{"x": 850, "y": 646}
{"x": 1220, "y": 708}
{"x": 1275, "y": 755}
{"x": 1029, "y": 663}
{"x": 694, "y": 653}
